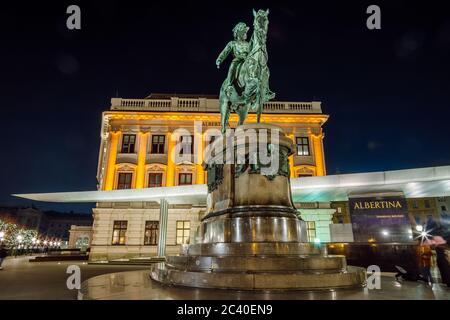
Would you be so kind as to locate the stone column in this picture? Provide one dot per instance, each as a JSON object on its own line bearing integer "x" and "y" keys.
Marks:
{"x": 318, "y": 154}
{"x": 140, "y": 176}
{"x": 200, "y": 173}
{"x": 170, "y": 171}
{"x": 163, "y": 215}
{"x": 291, "y": 158}
{"x": 110, "y": 169}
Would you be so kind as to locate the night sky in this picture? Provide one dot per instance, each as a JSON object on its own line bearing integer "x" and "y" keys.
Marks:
{"x": 387, "y": 91}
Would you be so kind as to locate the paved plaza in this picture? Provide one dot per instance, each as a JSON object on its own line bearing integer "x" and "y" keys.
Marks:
{"x": 21, "y": 279}
{"x": 138, "y": 285}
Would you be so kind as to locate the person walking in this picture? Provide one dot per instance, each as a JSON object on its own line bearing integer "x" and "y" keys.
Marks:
{"x": 425, "y": 263}
{"x": 442, "y": 257}
{"x": 442, "y": 260}
{"x": 3, "y": 255}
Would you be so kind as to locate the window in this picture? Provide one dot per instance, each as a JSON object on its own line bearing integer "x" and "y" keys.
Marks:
{"x": 414, "y": 204}
{"x": 119, "y": 231}
{"x": 187, "y": 145}
{"x": 128, "y": 143}
{"x": 158, "y": 142}
{"x": 184, "y": 179}
{"x": 303, "y": 175}
{"x": 427, "y": 203}
{"x": 155, "y": 179}
{"x": 124, "y": 181}
{"x": 151, "y": 233}
{"x": 311, "y": 228}
{"x": 443, "y": 208}
{"x": 183, "y": 229}
{"x": 302, "y": 146}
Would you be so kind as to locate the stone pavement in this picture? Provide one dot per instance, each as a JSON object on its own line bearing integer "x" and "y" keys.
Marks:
{"x": 21, "y": 279}
{"x": 138, "y": 285}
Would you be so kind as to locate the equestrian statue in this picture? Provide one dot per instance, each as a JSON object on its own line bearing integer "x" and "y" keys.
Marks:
{"x": 247, "y": 84}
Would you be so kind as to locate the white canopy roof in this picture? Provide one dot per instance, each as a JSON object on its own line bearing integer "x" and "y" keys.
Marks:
{"x": 414, "y": 183}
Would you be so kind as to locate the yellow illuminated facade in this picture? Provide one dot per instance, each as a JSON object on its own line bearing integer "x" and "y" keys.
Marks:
{"x": 139, "y": 139}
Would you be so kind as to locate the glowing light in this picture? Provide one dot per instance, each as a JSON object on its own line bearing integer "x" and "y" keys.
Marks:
{"x": 424, "y": 234}
{"x": 419, "y": 228}
{"x": 317, "y": 241}
{"x": 45, "y": 242}
{"x": 385, "y": 233}
{"x": 2, "y": 234}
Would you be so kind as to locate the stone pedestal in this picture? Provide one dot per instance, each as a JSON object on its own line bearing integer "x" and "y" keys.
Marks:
{"x": 251, "y": 236}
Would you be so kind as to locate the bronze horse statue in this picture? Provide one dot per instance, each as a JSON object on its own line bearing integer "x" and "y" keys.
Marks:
{"x": 247, "y": 85}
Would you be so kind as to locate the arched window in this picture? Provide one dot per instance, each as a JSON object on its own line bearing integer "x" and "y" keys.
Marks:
{"x": 125, "y": 176}
{"x": 155, "y": 175}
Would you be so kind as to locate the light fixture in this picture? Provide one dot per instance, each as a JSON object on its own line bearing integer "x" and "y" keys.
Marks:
{"x": 385, "y": 233}
{"x": 419, "y": 228}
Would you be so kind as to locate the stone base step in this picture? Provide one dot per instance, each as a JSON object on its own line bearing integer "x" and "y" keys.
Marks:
{"x": 252, "y": 264}
{"x": 352, "y": 277}
{"x": 132, "y": 261}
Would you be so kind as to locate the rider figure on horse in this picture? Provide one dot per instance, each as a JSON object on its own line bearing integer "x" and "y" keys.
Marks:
{"x": 240, "y": 48}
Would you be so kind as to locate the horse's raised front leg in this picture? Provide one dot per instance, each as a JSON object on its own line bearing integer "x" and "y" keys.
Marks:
{"x": 224, "y": 115}
{"x": 242, "y": 113}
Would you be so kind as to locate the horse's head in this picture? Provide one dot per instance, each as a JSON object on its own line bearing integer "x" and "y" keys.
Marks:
{"x": 261, "y": 21}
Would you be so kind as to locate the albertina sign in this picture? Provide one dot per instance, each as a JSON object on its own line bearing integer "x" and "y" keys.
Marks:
{"x": 361, "y": 205}
{"x": 380, "y": 219}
